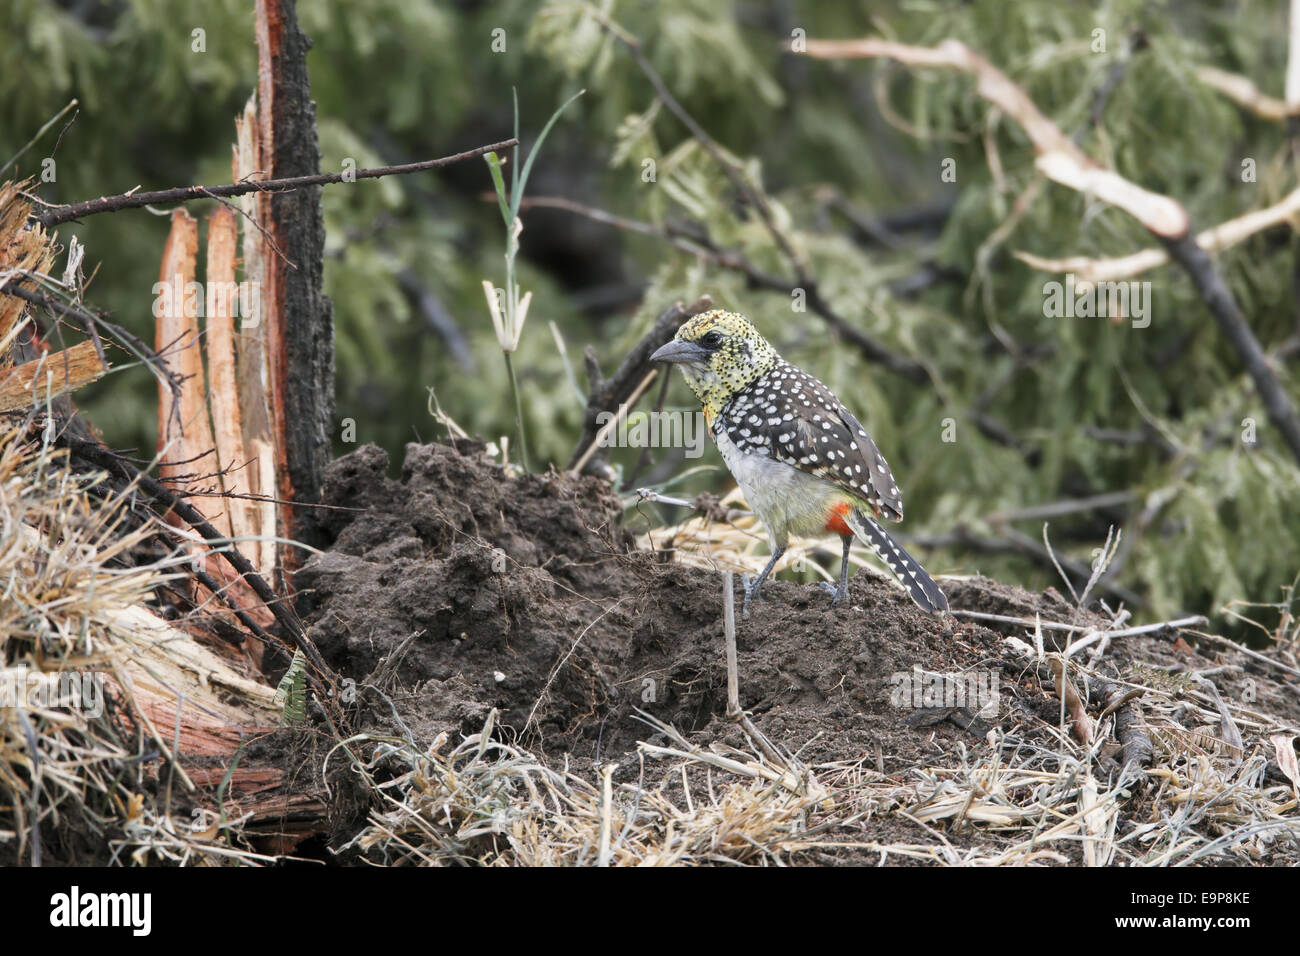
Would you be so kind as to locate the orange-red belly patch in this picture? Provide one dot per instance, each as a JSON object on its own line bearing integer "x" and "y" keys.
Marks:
{"x": 836, "y": 521}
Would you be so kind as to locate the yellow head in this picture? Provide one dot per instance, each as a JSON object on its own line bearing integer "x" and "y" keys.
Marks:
{"x": 719, "y": 353}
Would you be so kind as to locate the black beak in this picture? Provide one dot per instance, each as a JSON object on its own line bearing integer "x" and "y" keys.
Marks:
{"x": 680, "y": 351}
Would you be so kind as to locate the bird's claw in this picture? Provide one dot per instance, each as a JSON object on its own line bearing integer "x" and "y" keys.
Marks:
{"x": 837, "y": 594}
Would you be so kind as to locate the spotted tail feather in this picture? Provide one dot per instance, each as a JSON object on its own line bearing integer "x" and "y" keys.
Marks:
{"x": 905, "y": 568}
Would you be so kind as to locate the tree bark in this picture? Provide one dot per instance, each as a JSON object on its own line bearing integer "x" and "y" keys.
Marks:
{"x": 300, "y": 319}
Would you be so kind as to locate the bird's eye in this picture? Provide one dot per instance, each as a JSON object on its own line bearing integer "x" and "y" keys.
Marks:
{"x": 712, "y": 340}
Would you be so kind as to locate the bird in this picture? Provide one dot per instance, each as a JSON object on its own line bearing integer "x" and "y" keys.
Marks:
{"x": 806, "y": 465}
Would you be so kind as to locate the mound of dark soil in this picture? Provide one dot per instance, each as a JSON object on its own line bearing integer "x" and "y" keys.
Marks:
{"x": 460, "y": 588}
{"x": 524, "y": 594}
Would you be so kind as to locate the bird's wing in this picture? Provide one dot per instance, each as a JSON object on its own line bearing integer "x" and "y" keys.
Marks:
{"x": 791, "y": 416}
{"x": 888, "y": 499}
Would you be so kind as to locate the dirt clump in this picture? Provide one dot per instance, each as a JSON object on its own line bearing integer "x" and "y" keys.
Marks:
{"x": 459, "y": 589}
{"x": 524, "y": 594}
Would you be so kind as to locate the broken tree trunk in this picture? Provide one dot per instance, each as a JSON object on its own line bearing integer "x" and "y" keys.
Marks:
{"x": 254, "y": 387}
{"x": 227, "y": 417}
{"x": 300, "y": 322}
{"x": 184, "y": 432}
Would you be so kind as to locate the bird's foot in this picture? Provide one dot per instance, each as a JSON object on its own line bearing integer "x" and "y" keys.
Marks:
{"x": 837, "y": 593}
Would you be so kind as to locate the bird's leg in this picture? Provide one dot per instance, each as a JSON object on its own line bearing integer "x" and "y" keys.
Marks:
{"x": 751, "y": 590}
{"x": 838, "y": 593}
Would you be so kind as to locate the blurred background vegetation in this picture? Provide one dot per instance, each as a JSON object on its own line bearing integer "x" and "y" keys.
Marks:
{"x": 850, "y": 155}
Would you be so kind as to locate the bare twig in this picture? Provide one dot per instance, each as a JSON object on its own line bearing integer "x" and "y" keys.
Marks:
{"x": 1227, "y": 314}
{"x": 1061, "y": 160}
{"x": 39, "y": 133}
{"x": 1215, "y": 239}
{"x": 91, "y": 323}
{"x": 735, "y": 712}
{"x": 703, "y": 248}
{"x": 729, "y": 631}
{"x": 603, "y": 435}
{"x": 1059, "y": 157}
{"x": 1078, "y": 629}
{"x": 1243, "y": 91}
{"x": 1254, "y": 655}
{"x": 1014, "y": 542}
{"x": 755, "y": 197}
{"x": 728, "y": 166}
{"x": 609, "y": 394}
{"x": 134, "y": 200}
{"x": 1055, "y": 509}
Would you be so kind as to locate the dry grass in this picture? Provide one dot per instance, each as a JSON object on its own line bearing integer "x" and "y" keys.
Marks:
{"x": 97, "y": 692}
{"x": 487, "y": 802}
{"x": 27, "y": 253}
{"x": 83, "y": 665}
{"x": 1029, "y": 795}
{"x": 57, "y": 554}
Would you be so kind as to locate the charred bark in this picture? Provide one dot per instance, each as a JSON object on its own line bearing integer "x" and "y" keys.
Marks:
{"x": 300, "y": 318}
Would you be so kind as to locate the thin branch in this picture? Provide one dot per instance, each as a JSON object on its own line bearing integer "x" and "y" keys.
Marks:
{"x": 909, "y": 369}
{"x": 1215, "y": 239}
{"x": 39, "y": 133}
{"x": 1062, "y": 161}
{"x": 886, "y": 229}
{"x": 1145, "y": 436}
{"x": 221, "y": 594}
{"x": 1227, "y": 314}
{"x": 1069, "y": 506}
{"x": 603, "y": 435}
{"x": 705, "y": 249}
{"x": 608, "y": 394}
{"x": 1254, "y": 655}
{"x": 1059, "y": 157}
{"x": 711, "y": 146}
{"x": 1101, "y": 97}
{"x": 133, "y": 200}
{"x": 1013, "y": 542}
{"x": 1245, "y": 93}
{"x": 602, "y": 216}
{"x": 643, "y": 461}
{"x": 91, "y": 324}
{"x": 252, "y": 220}
{"x": 1179, "y": 623}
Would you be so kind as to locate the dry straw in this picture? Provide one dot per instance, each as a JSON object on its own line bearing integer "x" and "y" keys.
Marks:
{"x": 1030, "y": 793}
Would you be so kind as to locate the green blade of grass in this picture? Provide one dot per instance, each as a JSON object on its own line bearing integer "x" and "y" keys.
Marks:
{"x": 514, "y": 168}
{"x": 517, "y": 194}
